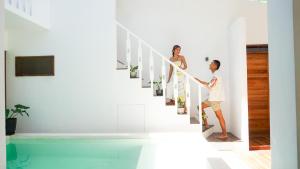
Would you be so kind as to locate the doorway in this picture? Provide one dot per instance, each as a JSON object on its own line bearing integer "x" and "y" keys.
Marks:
{"x": 258, "y": 97}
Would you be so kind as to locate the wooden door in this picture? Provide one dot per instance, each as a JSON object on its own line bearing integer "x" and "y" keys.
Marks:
{"x": 258, "y": 98}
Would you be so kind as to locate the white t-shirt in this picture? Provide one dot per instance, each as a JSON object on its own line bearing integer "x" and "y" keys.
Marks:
{"x": 215, "y": 88}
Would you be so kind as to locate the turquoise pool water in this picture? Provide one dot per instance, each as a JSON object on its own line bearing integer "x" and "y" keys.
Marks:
{"x": 73, "y": 153}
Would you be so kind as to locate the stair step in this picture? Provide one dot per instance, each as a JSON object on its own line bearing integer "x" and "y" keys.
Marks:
{"x": 182, "y": 113}
{"x": 122, "y": 68}
{"x": 194, "y": 120}
{"x": 205, "y": 129}
{"x": 170, "y": 104}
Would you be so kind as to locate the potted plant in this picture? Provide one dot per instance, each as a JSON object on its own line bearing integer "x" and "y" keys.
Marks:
{"x": 158, "y": 87}
{"x": 181, "y": 105}
{"x": 11, "y": 117}
{"x": 133, "y": 71}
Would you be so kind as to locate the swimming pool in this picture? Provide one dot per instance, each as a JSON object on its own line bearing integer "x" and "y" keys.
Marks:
{"x": 109, "y": 151}
{"x": 73, "y": 153}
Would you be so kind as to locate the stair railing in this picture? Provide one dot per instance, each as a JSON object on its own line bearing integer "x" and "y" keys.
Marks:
{"x": 24, "y": 6}
{"x": 164, "y": 60}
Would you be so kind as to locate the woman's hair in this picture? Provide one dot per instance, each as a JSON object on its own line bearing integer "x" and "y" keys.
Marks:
{"x": 174, "y": 48}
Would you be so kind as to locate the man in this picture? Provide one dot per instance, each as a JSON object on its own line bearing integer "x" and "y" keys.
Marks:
{"x": 216, "y": 96}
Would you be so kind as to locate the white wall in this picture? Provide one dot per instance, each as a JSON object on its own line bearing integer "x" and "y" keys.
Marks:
{"x": 41, "y": 11}
{"x": 297, "y": 63}
{"x": 282, "y": 85}
{"x": 256, "y": 15}
{"x": 77, "y": 98}
{"x": 195, "y": 25}
{"x": 2, "y": 91}
{"x": 200, "y": 27}
{"x": 80, "y": 97}
{"x": 238, "y": 80}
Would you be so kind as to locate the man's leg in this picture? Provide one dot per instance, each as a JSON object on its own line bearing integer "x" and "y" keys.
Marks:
{"x": 222, "y": 123}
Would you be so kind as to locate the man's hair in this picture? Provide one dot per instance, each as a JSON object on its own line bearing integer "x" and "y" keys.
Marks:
{"x": 217, "y": 63}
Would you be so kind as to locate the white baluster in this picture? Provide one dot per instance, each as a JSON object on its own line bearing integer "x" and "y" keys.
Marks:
{"x": 151, "y": 66}
{"x": 188, "y": 95}
{"x": 163, "y": 77}
{"x": 29, "y": 7}
{"x": 23, "y": 5}
{"x": 200, "y": 104}
{"x": 8, "y": 2}
{"x": 128, "y": 51}
{"x": 140, "y": 61}
{"x": 175, "y": 87}
{"x": 14, "y": 3}
{"x": 18, "y": 4}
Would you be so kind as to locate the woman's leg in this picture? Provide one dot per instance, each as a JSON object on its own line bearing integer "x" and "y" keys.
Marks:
{"x": 169, "y": 94}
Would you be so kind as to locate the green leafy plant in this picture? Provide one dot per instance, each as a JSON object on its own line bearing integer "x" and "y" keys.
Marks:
{"x": 133, "y": 68}
{"x": 158, "y": 84}
{"x": 133, "y": 71}
{"x": 181, "y": 102}
{"x": 17, "y": 110}
{"x": 204, "y": 117}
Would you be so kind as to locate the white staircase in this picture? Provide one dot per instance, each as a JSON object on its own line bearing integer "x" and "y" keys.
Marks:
{"x": 157, "y": 116}
{"x": 36, "y": 12}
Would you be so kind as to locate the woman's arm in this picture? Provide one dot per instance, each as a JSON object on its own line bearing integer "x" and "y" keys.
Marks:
{"x": 184, "y": 63}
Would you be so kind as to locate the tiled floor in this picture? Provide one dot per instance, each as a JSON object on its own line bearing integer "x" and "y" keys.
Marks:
{"x": 256, "y": 159}
{"x": 260, "y": 159}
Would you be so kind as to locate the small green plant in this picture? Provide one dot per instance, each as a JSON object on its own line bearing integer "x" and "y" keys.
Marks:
{"x": 17, "y": 110}
{"x": 204, "y": 117}
{"x": 181, "y": 102}
{"x": 158, "y": 84}
{"x": 133, "y": 68}
{"x": 133, "y": 71}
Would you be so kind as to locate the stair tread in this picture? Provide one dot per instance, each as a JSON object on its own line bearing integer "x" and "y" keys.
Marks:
{"x": 122, "y": 68}
{"x": 205, "y": 129}
{"x": 194, "y": 120}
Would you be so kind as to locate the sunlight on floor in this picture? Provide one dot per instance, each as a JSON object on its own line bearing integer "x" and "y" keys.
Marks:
{"x": 188, "y": 150}
{"x": 252, "y": 159}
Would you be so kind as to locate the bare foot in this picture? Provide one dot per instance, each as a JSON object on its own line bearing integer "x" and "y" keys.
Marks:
{"x": 170, "y": 103}
{"x": 223, "y": 137}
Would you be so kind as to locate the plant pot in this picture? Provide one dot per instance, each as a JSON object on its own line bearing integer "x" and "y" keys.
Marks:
{"x": 133, "y": 74}
{"x": 159, "y": 92}
{"x": 11, "y": 124}
{"x": 180, "y": 110}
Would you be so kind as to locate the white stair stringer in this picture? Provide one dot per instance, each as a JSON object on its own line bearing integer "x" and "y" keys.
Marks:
{"x": 158, "y": 116}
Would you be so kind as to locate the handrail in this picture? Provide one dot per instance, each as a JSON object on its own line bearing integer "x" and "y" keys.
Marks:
{"x": 159, "y": 54}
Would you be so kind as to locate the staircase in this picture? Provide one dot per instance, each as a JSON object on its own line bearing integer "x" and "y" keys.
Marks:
{"x": 36, "y": 12}
{"x": 146, "y": 69}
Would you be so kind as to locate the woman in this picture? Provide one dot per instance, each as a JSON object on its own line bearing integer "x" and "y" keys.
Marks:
{"x": 178, "y": 60}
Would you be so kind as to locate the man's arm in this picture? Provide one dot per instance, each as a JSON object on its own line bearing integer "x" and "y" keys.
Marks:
{"x": 202, "y": 82}
{"x": 210, "y": 84}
